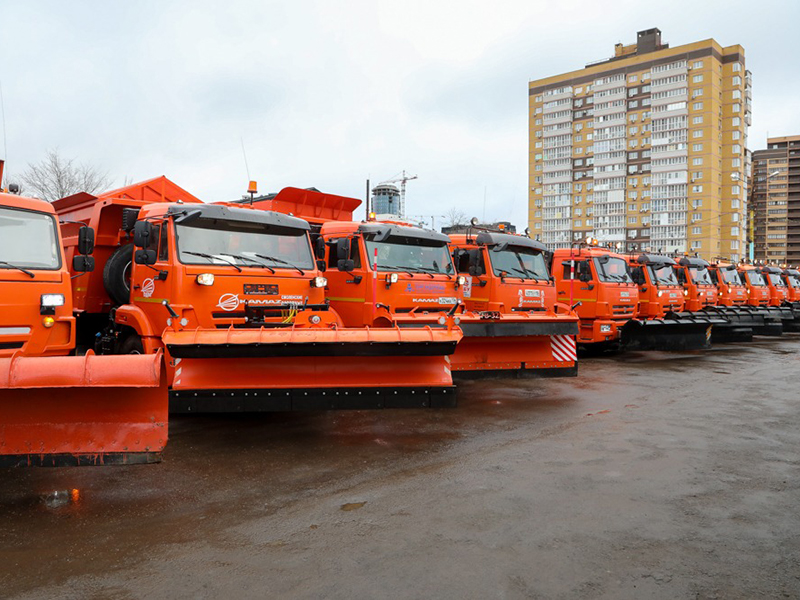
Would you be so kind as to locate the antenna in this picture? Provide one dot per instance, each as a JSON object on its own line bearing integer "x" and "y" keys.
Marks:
{"x": 246, "y": 166}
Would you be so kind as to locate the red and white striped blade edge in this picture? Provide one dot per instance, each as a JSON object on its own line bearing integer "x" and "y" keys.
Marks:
{"x": 563, "y": 347}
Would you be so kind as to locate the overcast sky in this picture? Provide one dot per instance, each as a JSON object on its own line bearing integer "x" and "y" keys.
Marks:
{"x": 326, "y": 94}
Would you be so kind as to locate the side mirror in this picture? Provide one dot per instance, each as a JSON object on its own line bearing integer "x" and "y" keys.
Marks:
{"x": 85, "y": 240}
{"x": 321, "y": 265}
{"x": 142, "y": 234}
{"x": 346, "y": 264}
{"x": 319, "y": 248}
{"x": 145, "y": 257}
{"x": 343, "y": 249}
{"x": 83, "y": 264}
{"x": 475, "y": 268}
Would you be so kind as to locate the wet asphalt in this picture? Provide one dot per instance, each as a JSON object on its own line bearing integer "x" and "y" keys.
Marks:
{"x": 650, "y": 475}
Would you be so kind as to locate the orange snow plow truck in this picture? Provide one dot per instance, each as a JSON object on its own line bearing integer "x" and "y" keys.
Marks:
{"x": 236, "y": 300}
{"x": 393, "y": 274}
{"x": 57, "y": 408}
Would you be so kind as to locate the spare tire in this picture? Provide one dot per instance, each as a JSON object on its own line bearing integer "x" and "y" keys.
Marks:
{"x": 117, "y": 274}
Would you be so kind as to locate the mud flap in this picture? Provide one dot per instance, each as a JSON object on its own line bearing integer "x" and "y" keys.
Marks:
{"x": 666, "y": 334}
{"x": 82, "y": 410}
{"x": 311, "y": 369}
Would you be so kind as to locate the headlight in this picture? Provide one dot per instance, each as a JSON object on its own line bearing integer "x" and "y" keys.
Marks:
{"x": 730, "y": 289}
{"x": 461, "y": 280}
{"x": 686, "y": 292}
{"x": 442, "y": 320}
{"x": 660, "y": 293}
{"x": 205, "y": 279}
{"x": 605, "y": 328}
{"x": 319, "y": 282}
{"x": 52, "y": 300}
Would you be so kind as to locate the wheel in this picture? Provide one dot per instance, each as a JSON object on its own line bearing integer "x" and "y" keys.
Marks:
{"x": 117, "y": 274}
{"x": 131, "y": 345}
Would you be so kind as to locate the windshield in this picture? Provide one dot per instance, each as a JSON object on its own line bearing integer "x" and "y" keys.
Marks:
{"x": 755, "y": 278}
{"x": 519, "y": 263}
{"x": 776, "y": 280}
{"x": 406, "y": 254}
{"x": 731, "y": 276}
{"x": 28, "y": 240}
{"x": 664, "y": 274}
{"x": 701, "y": 275}
{"x": 214, "y": 241}
{"x": 793, "y": 281}
{"x": 610, "y": 268}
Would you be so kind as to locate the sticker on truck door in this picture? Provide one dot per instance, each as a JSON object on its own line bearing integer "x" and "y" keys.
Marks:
{"x": 468, "y": 287}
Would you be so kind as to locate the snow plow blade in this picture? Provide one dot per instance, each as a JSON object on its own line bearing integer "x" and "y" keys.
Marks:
{"x": 516, "y": 346}
{"x": 676, "y": 334}
{"x": 82, "y": 410}
{"x": 758, "y": 319}
{"x": 265, "y": 370}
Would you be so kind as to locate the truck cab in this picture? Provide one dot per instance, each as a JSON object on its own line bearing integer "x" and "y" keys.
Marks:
{"x": 730, "y": 289}
{"x": 659, "y": 289}
{"x": 503, "y": 272}
{"x": 379, "y": 273}
{"x": 792, "y": 279}
{"x": 36, "y": 317}
{"x": 597, "y": 282}
{"x": 699, "y": 287}
{"x": 753, "y": 280}
{"x": 778, "y": 291}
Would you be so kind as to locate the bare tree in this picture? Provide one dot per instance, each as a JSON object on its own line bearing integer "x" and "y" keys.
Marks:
{"x": 455, "y": 217}
{"x": 55, "y": 177}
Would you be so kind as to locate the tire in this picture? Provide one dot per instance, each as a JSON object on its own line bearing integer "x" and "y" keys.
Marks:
{"x": 117, "y": 274}
{"x": 131, "y": 345}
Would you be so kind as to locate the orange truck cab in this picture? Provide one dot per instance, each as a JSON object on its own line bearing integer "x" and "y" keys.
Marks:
{"x": 56, "y": 408}
{"x": 730, "y": 289}
{"x": 753, "y": 280}
{"x": 383, "y": 273}
{"x": 698, "y": 285}
{"x": 660, "y": 292}
{"x": 236, "y": 300}
{"x": 778, "y": 291}
{"x": 596, "y": 281}
{"x": 792, "y": 279}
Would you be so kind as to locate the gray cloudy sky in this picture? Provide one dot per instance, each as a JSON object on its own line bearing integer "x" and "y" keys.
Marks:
{"x": 326, "y": 94}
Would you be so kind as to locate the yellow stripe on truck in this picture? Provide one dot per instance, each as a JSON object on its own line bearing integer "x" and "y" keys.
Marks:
{"x": 345, "y": 299}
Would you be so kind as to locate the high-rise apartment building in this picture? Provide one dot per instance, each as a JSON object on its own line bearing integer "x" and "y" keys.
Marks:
{"x": 645, "y": 150}
{"x": 775, "y": 201}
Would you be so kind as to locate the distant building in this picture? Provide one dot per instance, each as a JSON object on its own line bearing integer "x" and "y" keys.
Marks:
{"x": 646, "y": 148}
{"x": 386, "y": 200}
{"x": 775, "y": 201}
{"x": 505, "y": 226}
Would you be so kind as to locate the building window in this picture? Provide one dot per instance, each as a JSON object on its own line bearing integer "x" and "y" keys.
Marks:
{"x": 697, "y": 92}
{"x": 696, "y": 120}
{"x": 736, "y": 149}
{"x": 737, "y": 67}
{"x": 631, "y": 220}
{"x": 633, "y": 130}
{"x": 632, "y": 92}
{"x": 697, "y": 133}
{"x": 697, "y": 230}
{"x": 736, "y": 190}
{"x": 697, "y": 79}
{"x": 737, "y": 80}
{"x": 736, "y": 121}
{"x": 735, "y": 203}
{"x": 697, "y": 106}
{"x": 735, "y": 217}
{"x": 632, "y": 78}
{"x": 633, "y": 104}
{"x": 735, "y": 231}
{"x": 697, "y": 189}
{"x": 697, "y": 175}
{"x": 737, "y": 107}
{"x": 632, "y": 143}
{"x": 696, "y": 217}
{"x": 697, "y": 161}
{"x": 538, "y": 122}
{"x": 697, "y": 147}
{"x": 737, "y": 94}
{"x": 698, "y": 64}
{"x": 736, "y": 162}
{"x": 696, "y": 244}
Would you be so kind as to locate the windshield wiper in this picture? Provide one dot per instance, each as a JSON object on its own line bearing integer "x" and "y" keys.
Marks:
{"x": 438, "y": 271}
{"x": 8, "y": 264}
{"x": 280, "y": 260}
{"x": 212, "y": 257}
{"x": 250, "y": 258}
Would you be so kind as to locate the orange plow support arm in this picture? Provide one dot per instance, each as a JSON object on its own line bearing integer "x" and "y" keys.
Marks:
{"x": 82, "y": 410}
{"x": 310, "y": 369}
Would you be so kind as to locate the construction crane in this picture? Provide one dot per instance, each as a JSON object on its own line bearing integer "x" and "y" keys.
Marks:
{"x": 402, "y": 181}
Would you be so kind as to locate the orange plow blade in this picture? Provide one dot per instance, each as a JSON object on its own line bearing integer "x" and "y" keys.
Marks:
{"x": 82, "y": 410}
{"x": 517, "y": 346}
{"x": 310, "y": 369}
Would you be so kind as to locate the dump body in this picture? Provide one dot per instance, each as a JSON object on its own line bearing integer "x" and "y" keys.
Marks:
{"x": 236, "y": 300}
{"x": 596, "y": 281}
{"x": 57, "y": 409}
